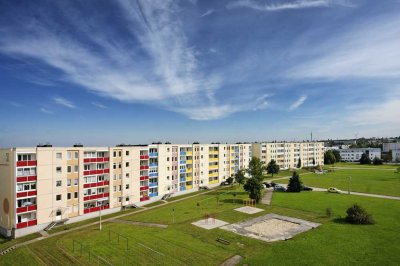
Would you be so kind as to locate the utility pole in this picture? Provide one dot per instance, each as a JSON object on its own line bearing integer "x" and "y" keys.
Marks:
{"x": 101, "y": 206}
{"x": 349, "y": 185}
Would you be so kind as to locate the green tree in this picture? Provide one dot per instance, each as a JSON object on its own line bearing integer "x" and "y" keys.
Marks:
{"x": 358, "y": 215}
{"x": 299, "y": 163}
{"x": 254, "y": 187}
{"x": 229, "y": 180}
{"x": 377, "y": 161}
{"x": 329, "y": 157}
{"x": 256, "y": 168}
{"x": 313, "y": 161}
{"x": 272, "y": 168}
{"x": 336, "y": 153}
{"x": 365, "y": 159}
{"x": 295, "y": 184}
{"x": 239, "y": 177}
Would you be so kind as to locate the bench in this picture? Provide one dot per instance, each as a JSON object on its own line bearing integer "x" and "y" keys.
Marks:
{"x": 223, "y": 241}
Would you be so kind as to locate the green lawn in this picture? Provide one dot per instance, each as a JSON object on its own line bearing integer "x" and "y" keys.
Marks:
{"x": 373, "y": 181}
{"x": 357, "y": 165}
{"x": 334, "y": 243}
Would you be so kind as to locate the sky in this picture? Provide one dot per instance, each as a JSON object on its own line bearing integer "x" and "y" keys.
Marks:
{"x": 102, "y": 72}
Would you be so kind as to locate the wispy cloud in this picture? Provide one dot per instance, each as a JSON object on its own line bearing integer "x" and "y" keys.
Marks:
{"x": 64, "y": 102}
{"x": 99, "y": 105}
{"x": 15, "y": 104}
{"x": 207, "y": 13}
{"x": 298, "y": 4}
{"x": 299, "y": 102}
{"x": 46, "y": 111}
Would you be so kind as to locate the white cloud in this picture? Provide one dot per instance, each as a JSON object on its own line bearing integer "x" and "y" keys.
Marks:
{"x": 367, "y": 50}
{"x": 207, "y": 13}
{"x": 298, "y": 103}
{"x": 15, "y": 104}
{"x": 46, "y": 111}
{"x": 99, "y": 105}
{"x": 299, "y": 4}
{"x": 64, "y": 102}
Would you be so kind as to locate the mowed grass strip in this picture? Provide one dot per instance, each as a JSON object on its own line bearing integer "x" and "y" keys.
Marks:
{"x": 372, "y": 181}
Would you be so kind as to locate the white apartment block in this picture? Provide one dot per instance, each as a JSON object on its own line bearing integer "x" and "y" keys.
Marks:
{"x": 354, "y": 155}
{"x": 287, "y": 154}
{"x": 386, "y": 147}
{"x": 396, "y": 155}
{"x": 43, "y": 186}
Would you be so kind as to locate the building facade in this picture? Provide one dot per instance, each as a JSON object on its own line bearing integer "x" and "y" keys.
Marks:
{"x": 354, "y": 155}
{"x": 43, "y": 186}
{"x": 386, "y": 147}
{"x": 396, "y": 156}
{"x": 287, "y": 154}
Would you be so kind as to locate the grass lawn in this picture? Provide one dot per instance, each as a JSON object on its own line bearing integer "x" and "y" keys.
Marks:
{"x": 334, "y": 243}
{"x": 373, "y": 181}
{"x": 358, "y": 165}
{"x": 285, "y": 173}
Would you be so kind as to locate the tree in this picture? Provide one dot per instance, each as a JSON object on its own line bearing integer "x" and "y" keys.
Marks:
{"x": 299, "y": 163}
{"x": 256, "y": 168}
{"x": 313, "y": 161}
{"x": 358, "y": 215}
{"x": 365, "y": 159}
{"x": 295, "y": 184}
{"x": 377, "y": 161}
{"x": 229, "y": 180}
{"x": 336, "y": 153}
{"x": 329, "y": 157}
{"x": 254, "y": 187}
{"x": 239, "y": 177}
{"x": 272, "y": 168}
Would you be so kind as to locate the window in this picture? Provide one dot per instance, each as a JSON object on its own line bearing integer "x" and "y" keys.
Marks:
{"x": 119, "y": 176}
{"x": 59, "y": 155}
{"x": 115, "y": 154}
{"x": 76, "y": 168}
{"x": 119, "y": 165}
{"x": 68, "y": 169}
{"x": 167, "y": 159}
{"x": 127, "y": 186}
{"x": 76, "y": 181}
{"x": 58, "y": 169}
{"x": 68, "y": 196}
{"x": 120, "y": 188}
{"x": 167, "y": 168}
{"x": 127, "y": 153}
{"x": 127, "y": 164}
{"x": 127, "y": 199}
{"x": 58, "y": 197}
{"x": 115, "y": 176}
{"x": 58, "y": 183}
{"x": 115, "y": 188}
{"x": 75, "y": 194}
{"x": 58, "y": 213}
{"x": 76, "y": 155}
{"x": 114, "y": 166}
{"x": 68, "y": 182}
{"x": 127, "y": 175}
{"x": 69, "y": 155}
{"x": 119, "y": 153}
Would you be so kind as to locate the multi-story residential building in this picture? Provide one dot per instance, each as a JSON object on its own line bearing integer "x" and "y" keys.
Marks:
{"x": 386, "y": 147}
{"x": 396, "y": 156}
{"x": 287, "y": 154}
{"x": 43, "y": 186}
{"x": 354, "y": 155}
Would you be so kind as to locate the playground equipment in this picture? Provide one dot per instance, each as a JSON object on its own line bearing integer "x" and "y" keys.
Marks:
{"x": 249, "y": 202}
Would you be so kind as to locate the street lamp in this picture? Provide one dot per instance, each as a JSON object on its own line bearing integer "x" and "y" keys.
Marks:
{"x": 101, "y": 207}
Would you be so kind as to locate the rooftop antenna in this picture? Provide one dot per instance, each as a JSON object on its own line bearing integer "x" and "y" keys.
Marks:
{"x": 311, "y": 135}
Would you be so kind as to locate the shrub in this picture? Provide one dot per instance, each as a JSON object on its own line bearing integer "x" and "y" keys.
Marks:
{"x": 377, "y": 161}
{"x": 358, "y": 215}
{"x": 229, "y": 180}
{"x": 295, "y": 184}
{"x": 328, "y": 212}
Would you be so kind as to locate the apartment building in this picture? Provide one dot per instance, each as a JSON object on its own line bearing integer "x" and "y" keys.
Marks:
{"x": 287, "y": 154}
{"x": 43, "y": 186}
{"x": 354, "y": 155}
{"x": 396, "y": 156}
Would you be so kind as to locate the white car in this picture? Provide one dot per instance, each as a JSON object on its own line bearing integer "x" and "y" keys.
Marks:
{"x": 334, "y": 190}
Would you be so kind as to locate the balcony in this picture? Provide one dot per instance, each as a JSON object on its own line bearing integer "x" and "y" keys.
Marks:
{"x": 26, "y": 163}
{"x": 96, "y": 160}
{"x": 97, "y": 196}
{"x": 189, "y": 153}
{"x": 153, "y": 184}
{"x": 189, "y": 170}
{"x": 154, "y": 194}
{"x": 215, "y": 174}
{"x": 182, "y": 153}
{"x": 213, "y": 167}
{"x": 189, "y": 178}
{"x": 182, "y": 171}
{"x": 182, "y": 188}
{"x": 98, "y": 184}
{"x": 95, "y": 209}
{"x": 26, "y": 194}
{"x": 189, "y": 186}
{"x": 26, "y": 178}
{"x": 26, "y": 224}
{"x": 153, "y": 154}
{"x": 144, "y": 177}
{"x": 189, "y": 161}
{"x": 144, "y": 198}
{"x": 144, "y": 188}
{"x": 213, "y": 182}
{"x": 144, "y": 157}
{"x": 182, "y": 162}
{"x": 212, "y": 159}
{"x": 144, "y": 167}
{"x": 182, "y": 179}
{"x": 154, "y": 165}
{"x": 27, "y": 208}
{"x": 96, "y": 172}
{"x": 213, "y": 151}
{"x": 153, "y": 174}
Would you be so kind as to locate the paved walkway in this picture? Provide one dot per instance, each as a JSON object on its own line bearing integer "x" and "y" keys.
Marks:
{"x": 267, "y": 196}
{"x": 232, "y": 261}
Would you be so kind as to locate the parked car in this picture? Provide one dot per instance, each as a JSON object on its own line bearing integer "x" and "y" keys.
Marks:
{"x": 307, "y": 188}
{"x": 279, "y": 188}
{"x": 334, "y": 190}
{"x": 267, "y": 185}
{"x": 273, "y": 184}
{"x": 224, "y": 183}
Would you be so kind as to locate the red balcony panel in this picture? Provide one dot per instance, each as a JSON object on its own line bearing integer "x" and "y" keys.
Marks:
{"x": 32, "y": 222}
{"x": 32, "y": 193}
{"x": 22, "y": 163}
{"x": 106, "y": 194}
{"x": 93, "y": 160}
{"x": 144, "y": 188}
{"x": 32, "y": 163}
{"x": 144, "y": 157}
{"x": 22, "y": 179}
{"x": 144, "y": 198}
{"x": 22, "y": 194}
{"x": 86, "y": 211}
{"x": 86, "y": 198}
{"x": 106, "y": 171}
{"x": 86, "y": 160}
{"x": 22, "y": 225}
{"x": 106, "y": 159}
{"x": 22, "y": 209}
{"x": 144, "y": 167}
{"x": 32, "y": 208}
{"x": 86, "y": 185}
{"x": 32, "y": 178}
{"x": 107, "y": 182}
{"x": 86, "y": 172}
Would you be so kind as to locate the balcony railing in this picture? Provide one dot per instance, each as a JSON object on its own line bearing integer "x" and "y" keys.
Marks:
{"x": 144, "y": 188}
{"x": 153, "y": 174}
{"x": 154, "y": 194}
{"x": 26, "y": 163}
{"x": 26, "y": 194}
{"x": 97, "y": 196}
{"x": 182, "y": 170}
{"x": 26, "y": 178}
{"x": 182, "y": 179}
{"x": 144, "y": 167}
{"x": 98, "y": 184}
{"x": 96, "y": 160}
{"x": 189, "y": 161}
{"x": 153, "y": 184}
{"x": 154, "y": 165}
{"x": 182, "y": 188}
{"x": 182, "y": 153}
{"x": 182, "y": 162}
{"x": 144, "y": 198}
{"x": 96, "y": 172}
{"x": 26, "y": 224}
{"x": 144, "y": 157}
{"x": 29, "y": 208}
{"x": 144, "y": 177}
{"x": 95, "y": 209}
{"x": 153, "y": 154}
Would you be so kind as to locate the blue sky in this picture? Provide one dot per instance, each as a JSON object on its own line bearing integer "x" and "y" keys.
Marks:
{"x": 109, "y": 72}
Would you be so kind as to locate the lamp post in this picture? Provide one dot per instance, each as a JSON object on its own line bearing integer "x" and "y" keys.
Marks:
{"x": 101, "y": 207}
{"x": 349, "y": 185}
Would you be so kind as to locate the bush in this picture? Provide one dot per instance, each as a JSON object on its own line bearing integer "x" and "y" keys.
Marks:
{"x": 328, "y": 212}
{"x": 377, "y": 161}
{"x": 229, "y": 180}
{"x": 358, "y": 215}
{"x": 295, "y": 184}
